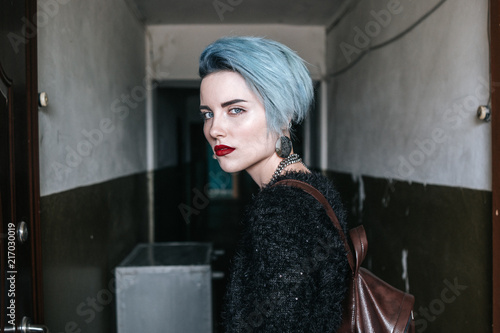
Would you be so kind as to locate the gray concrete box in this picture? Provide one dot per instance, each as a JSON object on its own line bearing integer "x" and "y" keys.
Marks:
{"x": 165, "y": 287}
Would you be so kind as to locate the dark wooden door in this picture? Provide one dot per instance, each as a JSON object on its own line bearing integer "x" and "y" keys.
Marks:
{"x": 495, "y": 129}
{"x": 20, "y": 255}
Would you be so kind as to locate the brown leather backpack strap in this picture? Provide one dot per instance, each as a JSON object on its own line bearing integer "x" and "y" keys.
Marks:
{"x": 329, "y": 211}
{"x": 360, "y": 244}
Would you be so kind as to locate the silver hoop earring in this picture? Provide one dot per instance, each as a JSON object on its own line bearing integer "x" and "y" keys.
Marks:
{"x": 283, "y": 146}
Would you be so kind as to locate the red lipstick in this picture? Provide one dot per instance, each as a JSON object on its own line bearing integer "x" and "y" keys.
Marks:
{"x": 221, "y": 150}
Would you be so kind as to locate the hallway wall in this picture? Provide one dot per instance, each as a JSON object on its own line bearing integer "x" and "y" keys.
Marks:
{"x": 409, "y": 156}
{"x": 92, "y": 156}
{"x": 175, "y": 49}
{"x": 404, "y": 146}
{"x": 414, "y": 100}
{"x": 92, "y": 65}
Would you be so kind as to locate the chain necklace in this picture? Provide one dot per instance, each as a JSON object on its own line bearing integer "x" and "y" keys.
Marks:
{"x": 294, "y": 158}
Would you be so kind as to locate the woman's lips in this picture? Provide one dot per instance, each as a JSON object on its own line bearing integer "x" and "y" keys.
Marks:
{"x": 221, "y": 150}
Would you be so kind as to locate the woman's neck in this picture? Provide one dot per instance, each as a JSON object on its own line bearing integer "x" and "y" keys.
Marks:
{"x": 264, "y": 171}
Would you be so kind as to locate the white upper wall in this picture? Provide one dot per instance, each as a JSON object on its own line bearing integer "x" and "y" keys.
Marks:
{"x": 174, "y": 50}
{"x": 405, "y": 111}
{"x": 91, "y": 62}
{"x": 408, "y": 110}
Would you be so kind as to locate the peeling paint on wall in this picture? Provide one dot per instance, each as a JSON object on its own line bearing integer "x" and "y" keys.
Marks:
{"x": 359, "y": 198}
{"x": 404, "y": 263}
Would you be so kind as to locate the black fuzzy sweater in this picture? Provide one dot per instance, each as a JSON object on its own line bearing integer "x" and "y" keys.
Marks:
{"x": 290, "y": 271}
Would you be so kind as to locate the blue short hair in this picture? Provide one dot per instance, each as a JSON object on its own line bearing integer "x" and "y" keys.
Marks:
{"x": 275, "y": 72}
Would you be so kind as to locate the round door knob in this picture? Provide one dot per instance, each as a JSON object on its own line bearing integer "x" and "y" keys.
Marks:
{"x": 43, "y": 99}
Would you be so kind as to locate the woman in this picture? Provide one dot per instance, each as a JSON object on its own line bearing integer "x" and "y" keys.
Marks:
{"x": 290, "y": 272}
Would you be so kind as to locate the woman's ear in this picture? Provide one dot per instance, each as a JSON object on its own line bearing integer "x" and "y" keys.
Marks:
{"x": 283, "y": 146}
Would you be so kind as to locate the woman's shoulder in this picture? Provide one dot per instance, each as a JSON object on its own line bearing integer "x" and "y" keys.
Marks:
{"x": 315, "y": 179}
{"x": 291, "y": 202}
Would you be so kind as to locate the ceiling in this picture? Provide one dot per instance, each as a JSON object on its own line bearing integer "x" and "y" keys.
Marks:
{"x": 295, "y": 12}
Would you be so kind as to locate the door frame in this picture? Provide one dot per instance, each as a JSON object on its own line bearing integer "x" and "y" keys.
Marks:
{"x": 33, "y": 165}
{"x": 24, "y": 160}
{"x": 495, "y": 145}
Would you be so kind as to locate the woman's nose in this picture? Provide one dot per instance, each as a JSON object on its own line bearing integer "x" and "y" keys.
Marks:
{"x": 217, "y": 128}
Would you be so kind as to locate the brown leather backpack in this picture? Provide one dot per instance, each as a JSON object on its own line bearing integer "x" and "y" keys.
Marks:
{"x": 371, "y": 305}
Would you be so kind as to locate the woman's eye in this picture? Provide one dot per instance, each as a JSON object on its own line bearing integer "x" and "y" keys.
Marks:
{"x": 236, "y": 110}
{"x": 206, "y": 115}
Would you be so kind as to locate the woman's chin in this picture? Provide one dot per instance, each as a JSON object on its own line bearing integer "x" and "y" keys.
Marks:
{"x": 229, "y": 168}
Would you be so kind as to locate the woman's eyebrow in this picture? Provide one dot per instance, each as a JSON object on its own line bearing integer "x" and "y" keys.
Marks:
{"x": 232, "y": 102}
{"x": 206, "y": 107}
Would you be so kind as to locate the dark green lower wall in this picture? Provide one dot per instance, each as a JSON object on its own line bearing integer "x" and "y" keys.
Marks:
{"x": 446, "y": 233}
{"x": 86, "y": 232}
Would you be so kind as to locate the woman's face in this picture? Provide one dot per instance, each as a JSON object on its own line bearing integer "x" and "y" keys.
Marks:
{"x": 235, "y": 123}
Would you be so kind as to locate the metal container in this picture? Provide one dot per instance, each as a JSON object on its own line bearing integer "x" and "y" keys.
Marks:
{"x": 165, "y": 287}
